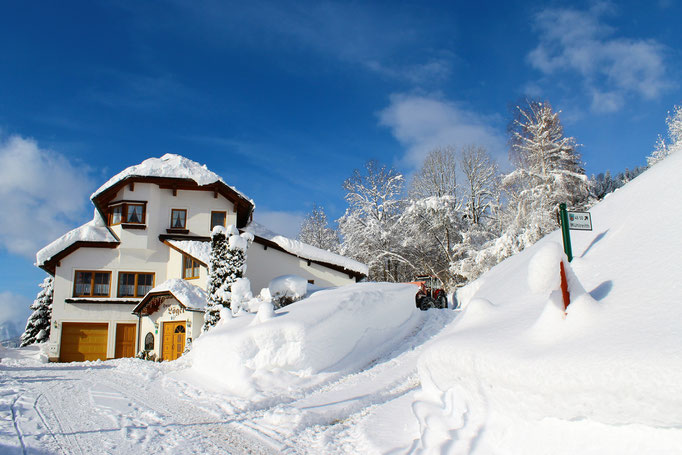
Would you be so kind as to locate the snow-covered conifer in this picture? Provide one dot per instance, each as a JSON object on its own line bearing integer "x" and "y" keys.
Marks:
{"x": 315, "y": 231}
{"x": 662, "y": 149}
{"x": 227, "y": 264}
{"x": 548, "y": 171}
{"x": 38, "y": 324}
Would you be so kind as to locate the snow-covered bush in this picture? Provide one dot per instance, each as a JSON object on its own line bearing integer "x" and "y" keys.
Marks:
{"x": 38, "y": 324}
{"x": 287, "y": 289}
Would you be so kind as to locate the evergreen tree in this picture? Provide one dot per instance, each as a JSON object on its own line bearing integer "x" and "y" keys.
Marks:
{"x": 662, "y": 148}
{"x": 227, "y": 263}
{"x": 548, "y": 171}
{"x": 315, "y": 231}
{"x": 38, "y": 324}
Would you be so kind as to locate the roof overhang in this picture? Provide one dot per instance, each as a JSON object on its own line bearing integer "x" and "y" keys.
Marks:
{"x": 51, "y": 264}
{"x": 151, "y": 303}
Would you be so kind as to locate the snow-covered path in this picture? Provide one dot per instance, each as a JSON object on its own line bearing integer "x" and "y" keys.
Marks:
{"x": 111, "y": 407}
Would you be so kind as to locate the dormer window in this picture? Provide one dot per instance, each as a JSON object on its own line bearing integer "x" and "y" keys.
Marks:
{"x": 178, "y": 219}
{"x": 128, "y": 213}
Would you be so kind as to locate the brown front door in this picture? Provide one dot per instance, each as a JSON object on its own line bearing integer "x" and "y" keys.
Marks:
{"x": 125, "y": 340}
{"x": 173, "y": 340}
{"x": 83, "y": 341}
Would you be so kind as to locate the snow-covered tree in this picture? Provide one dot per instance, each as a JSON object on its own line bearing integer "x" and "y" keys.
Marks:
{"x": 664, "y": 148}
{"x": 38, "y": 324}
{"x": 431, "y": 222}
{"x": 315, "y": 230}
{"x": 227, "y": 263}
{"x": 548, "y": 171}
{"x": 482, "y": 182}
{"x": 368, "y": 225}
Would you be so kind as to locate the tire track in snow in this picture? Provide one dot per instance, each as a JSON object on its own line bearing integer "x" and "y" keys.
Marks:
{"x": 16, "y": 424}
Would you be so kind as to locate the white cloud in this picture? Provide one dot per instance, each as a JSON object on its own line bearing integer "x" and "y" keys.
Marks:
{"x": 14, "y": 308}
{"x": 611, "y": 67}
{"x": 42, "y": 195}
{"x": 286, "y": 223}
{"x": 422, "y": 123}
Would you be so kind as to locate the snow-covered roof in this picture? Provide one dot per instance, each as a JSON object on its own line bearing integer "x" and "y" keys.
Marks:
{"x": 94, "y": 231}
{"x": 189, "y": 295}
{"x": 305, "y": 251}
{"x": 168, "y": 166}
{"x": 195, "y": 248}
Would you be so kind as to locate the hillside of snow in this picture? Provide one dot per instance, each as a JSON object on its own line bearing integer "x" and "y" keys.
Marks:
{"x": 516, "y": 376}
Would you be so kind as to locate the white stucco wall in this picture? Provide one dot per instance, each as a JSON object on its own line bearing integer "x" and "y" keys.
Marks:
{"x": 262, "y": 265}
{"x": 140, "y": 251}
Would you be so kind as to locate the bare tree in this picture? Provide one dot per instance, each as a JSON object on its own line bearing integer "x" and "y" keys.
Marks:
{"x": 437, "y": 176}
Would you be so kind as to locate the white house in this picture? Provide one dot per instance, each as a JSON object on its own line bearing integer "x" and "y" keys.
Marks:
{"x": 134, "y": 277}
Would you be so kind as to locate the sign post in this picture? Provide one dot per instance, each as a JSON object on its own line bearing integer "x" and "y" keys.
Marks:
{"x": 563, "y": 215}
{"x": 577, "y": 221}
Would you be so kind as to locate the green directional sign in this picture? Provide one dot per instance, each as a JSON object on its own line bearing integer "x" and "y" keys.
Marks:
{"x": 579, "y": 221}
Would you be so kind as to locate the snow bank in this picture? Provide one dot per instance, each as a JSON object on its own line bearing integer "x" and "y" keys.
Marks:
{"x": 189, "y": 295}
{"x": 292, "y": 287}
{"x": 333, "y": 331}
{"x": 169, "y": 165}
{"x": 516, "y": 376}
{"x": 306, "y": 251}
{"x": 92, "y": 231}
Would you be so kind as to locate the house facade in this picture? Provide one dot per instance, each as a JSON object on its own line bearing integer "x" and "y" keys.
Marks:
{"x": 134, "y": 278}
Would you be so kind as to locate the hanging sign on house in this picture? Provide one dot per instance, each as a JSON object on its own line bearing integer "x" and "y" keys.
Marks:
{"x": 580, "y": 221}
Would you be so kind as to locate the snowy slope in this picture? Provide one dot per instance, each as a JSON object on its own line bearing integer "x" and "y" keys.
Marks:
{"x": 516, "y": 377}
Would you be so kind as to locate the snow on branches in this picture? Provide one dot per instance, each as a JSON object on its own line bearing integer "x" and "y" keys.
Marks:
{"x": 662, "y": 148}
{"x": 315, "y": 231}
{"x": 227, "y": 264}
{"x": 38, "y": 324}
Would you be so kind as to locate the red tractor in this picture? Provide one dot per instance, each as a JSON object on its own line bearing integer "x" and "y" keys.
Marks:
{"x": 431, "y": 293}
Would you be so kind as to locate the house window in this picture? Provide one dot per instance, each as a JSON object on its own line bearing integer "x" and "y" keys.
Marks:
{"x": 135, "y": 213}
{"x": 127, "y": 212}
{"x": 91, "y": 284}
{"x": 190, "y": 267}
{"x": 178, "y": 218}
{"x": 218, "y": 219}
{"x": 134, "y": 284}
{"x": 115, "y": 215}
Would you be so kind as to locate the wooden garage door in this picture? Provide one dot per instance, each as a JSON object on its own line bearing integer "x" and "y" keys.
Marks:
{"x": 83, "y": 341}
{"x": 125, "y": 340}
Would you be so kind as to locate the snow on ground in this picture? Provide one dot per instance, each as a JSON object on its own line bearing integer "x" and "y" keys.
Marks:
{"x": 358, "y": 370}
{"x": 514, "y": 376}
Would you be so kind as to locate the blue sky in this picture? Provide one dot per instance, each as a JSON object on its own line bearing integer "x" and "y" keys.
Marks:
{"x": 284, "y": 100}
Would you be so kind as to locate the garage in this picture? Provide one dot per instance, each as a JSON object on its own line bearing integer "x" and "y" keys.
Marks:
{"x": 83, "y": 341}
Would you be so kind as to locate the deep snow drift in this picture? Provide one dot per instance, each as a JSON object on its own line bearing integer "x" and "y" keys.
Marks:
{"x": 516, "y": 376}
{"x": 331, "y": 332}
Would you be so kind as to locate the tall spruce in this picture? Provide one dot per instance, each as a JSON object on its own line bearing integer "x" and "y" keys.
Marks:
{"x": 38, "y": 324}
{"x": 548, "y": 171}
